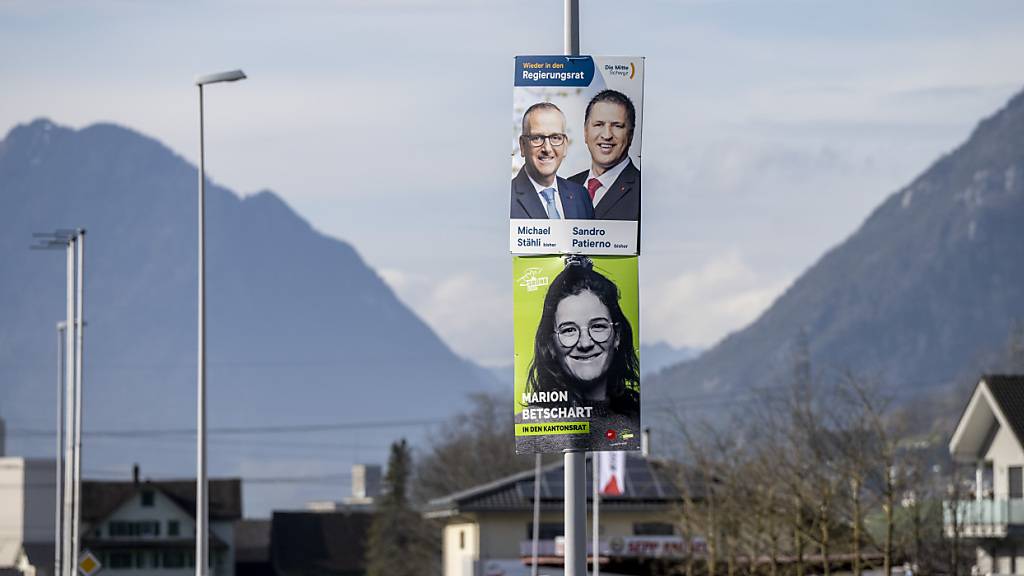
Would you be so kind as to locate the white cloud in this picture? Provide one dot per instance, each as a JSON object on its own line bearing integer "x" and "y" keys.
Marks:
{"x": 471, "y": 313}
{"x": 698, "y": 307}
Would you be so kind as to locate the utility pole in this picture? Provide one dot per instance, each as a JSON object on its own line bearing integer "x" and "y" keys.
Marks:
{"x": 68, "y": 402}
{"x": 76, "y": 525}
{"x": 69, "y": 415}
{"x": 595, "y": 533}
{"x": 536, "y": 514}
{"x": 58, "y": 513}
{"x": 575, "y": 462}
{"x": 202, "y": 485}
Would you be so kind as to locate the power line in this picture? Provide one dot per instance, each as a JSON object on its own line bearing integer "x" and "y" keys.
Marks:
{"x": 240, "y": 430}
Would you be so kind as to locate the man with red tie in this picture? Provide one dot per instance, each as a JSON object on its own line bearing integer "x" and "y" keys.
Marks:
{"x": 613, "y": 182}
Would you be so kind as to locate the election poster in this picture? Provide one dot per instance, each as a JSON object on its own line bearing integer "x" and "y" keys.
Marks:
{"x": 577, "y": 353}
{"x": 575, "y": 181}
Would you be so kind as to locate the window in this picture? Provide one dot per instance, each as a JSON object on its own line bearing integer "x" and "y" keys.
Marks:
{"x": 120, "y": 559}
{"x": 653, "y": 529}
{"x": 147, "y": 498}
{"x": 173, "y": 528}
{"x": 462, "y": 539}
{"x": 173, "y": 559}
{"x": 134, "y": 529}
{"x": 1016, "y": 483}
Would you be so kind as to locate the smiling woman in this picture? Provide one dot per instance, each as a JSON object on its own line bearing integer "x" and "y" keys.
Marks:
{"x": 583, "y": 358}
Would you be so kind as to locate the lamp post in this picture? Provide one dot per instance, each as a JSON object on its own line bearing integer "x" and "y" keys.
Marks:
{"x": 59, "y": 515}
{"x": 202, "y": 497}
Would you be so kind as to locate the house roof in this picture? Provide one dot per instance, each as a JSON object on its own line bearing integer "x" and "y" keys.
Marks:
{"x": 649, "y": 483}
{"x": 1008, "y": 391}
{"x": 100, "y": 498}
{"x": 319, "y": 543}
{"x": 997, "y": 400}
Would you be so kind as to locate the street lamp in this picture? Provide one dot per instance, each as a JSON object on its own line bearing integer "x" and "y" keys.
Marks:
{"x": 202, "y": 498}
{"x": 68, "y": 490}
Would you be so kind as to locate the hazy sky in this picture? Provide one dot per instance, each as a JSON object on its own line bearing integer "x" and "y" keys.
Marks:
{"x": 771, "y": 128}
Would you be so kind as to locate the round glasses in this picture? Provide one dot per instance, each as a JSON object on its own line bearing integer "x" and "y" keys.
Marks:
{"x": 537, "y": 140}
{"x": 600, "y": 331}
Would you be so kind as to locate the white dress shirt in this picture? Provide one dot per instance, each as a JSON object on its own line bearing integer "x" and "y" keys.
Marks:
{"x": 543, "y": 202}
{"x": 606, "y": 179}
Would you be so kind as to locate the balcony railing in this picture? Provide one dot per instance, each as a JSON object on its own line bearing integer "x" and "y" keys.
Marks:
{"x": 982, "y": 518}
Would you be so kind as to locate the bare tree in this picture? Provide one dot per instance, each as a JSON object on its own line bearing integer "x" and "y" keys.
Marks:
{"x": 473, "y": 449}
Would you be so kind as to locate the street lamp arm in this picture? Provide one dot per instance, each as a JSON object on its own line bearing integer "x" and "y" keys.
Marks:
{"x": 229, "y": 76}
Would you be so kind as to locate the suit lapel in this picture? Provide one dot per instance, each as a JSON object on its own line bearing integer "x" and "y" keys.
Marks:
{"x": 568, "y": 199}
{"x": 526, "y": 195}
{"x": 622, "y": 186}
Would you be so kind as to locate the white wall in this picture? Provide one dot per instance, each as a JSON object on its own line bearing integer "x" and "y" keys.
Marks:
{"x": 1004, "y": 452}
{"x": 457, "y": 559}
{"x": 497, "y": 536}
{"x": 12, "y": 507}
{"x": 27, "y": 504}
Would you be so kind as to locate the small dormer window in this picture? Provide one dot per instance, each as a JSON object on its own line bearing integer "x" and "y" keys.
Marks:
{"x": 1016, "y": 478}
{"x": 147, "y": 498}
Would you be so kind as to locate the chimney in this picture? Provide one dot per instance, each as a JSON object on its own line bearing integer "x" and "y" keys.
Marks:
{"x": 135, "y": 473}
{"x": 645, "y": 442}
{"x": 365, "y": 480}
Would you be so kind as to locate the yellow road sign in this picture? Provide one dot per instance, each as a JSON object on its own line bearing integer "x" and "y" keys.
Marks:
{"x": 88, "y": 564}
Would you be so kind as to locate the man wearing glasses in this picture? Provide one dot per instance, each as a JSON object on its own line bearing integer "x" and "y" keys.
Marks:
{"x": 537, "y": 191}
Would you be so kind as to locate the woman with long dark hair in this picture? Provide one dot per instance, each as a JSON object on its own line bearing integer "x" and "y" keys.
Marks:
{"x": 584, "y": 357}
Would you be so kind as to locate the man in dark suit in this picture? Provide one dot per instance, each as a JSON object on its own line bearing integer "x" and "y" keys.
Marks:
{"x": 537, "y": 191}
{"x": 613, "y": 182}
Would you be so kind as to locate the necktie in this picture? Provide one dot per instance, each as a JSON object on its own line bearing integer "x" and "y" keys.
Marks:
{"x": 549, "y": 199}
{"x": 592, "y": 185}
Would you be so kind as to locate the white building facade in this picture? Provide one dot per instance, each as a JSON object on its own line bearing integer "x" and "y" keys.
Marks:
{"x": 27, "y": 515}
{"x": 989, "y": 438}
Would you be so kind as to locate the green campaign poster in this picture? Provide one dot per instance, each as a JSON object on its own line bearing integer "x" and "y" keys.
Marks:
{"x": 577, "y": 348}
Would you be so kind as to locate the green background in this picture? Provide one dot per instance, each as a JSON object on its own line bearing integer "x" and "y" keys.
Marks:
{"x": 527, "y": 306}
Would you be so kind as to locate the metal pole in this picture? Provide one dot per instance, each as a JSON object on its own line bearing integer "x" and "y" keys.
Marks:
{"x": 575, "y": 513}
{"x": 595, "y": 531}
{"x": 202, "y": 502}
{"x": 58, "y": 512}
{"x": 69, "y": 414}
{"x": 536, "y": 514}
{"x": 575, "y": 462}
{"x": 572, "y": 27}
{"x": 79, "y": 336}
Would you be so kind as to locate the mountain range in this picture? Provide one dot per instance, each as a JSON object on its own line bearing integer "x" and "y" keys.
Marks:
{"x": 305, "y": 338}
{"x": 301, "y": 332}
{"x": 921, "y": 298}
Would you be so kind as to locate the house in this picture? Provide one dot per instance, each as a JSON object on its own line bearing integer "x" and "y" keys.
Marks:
{"x": 252, "y": 548}
{"x": 331, "y": 543}
{"x": 489, "y": 528}
{"x": 147, "y": 528}
{"x": 989, "y": 438}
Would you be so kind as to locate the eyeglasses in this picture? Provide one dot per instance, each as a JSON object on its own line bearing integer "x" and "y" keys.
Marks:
{"x": 537, "y": 140}
{"x": 600, "y": 331}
